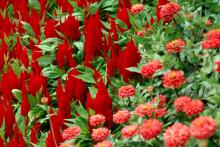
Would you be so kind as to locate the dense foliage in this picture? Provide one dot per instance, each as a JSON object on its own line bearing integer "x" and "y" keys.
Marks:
{"x": 107, "y": 73}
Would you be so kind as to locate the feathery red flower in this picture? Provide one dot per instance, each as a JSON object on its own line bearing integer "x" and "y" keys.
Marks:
{"x": 176, "y": 135}
{"x": 70, "y": 28}
{"x": 150, "y": 128}
{"x": 173, "y": 79}
{"x": 130, "y": 57}
{"x": 25, "y": 105}
{"x": 203, "y": 127}
{"x": 122, "y": 14}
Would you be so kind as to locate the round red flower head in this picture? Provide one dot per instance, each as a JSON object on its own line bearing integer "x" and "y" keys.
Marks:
{"x": 137, "y": 8}
{"x": 96, "y": 120}
{"x": 213, "y": 34}
{"x": 126, "y": 91}
{"x": 168, "y": 11}
{"x": 180, "y": 102}
{"x": 100, "y": 134}
{"x": 129, "y": 131}
{"x": 175, "y": 46}
{"x": 193, "y": 107}
{"x": 121, "y": 116}
{"x": 203, "y": 127}
{"x": 71, "y": 132}
{"x": 177, "y": 135}
{"x": 150, "y": 128}
{"x": 211, "y": 43}
{"x": 150, "y": 68}
{"x": 144, "y": 109}
{"x": 105, "y": 143}
{"x": 161, "y": 101}
{"x": 173, "y": 79}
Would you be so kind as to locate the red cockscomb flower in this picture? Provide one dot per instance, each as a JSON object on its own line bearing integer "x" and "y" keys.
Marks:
{"x": 144, "y": 109}
{"x": 137, "y": 8}
{"x": 25, "y": 105}
{"x": 173, "y": 79}
{"x": 121, "y": 116}
{"x": 122, "y": 14}
{"x": 97, "y": 120}
{"x": 180, "y": 102}
{"x": 218, "y": 66}
{"x": 175, "y": 46}
{"x": 105, "y": 143}
{"x": 100, "y": 134}
{"x": 211, "y": 43}
{"x": 203, "y": 127}
{"x": 150, "y": 128}
{"x": 126, "y": 91}
{"x": 71, "y": 132}
{"x": 168, "y": 11}
{"x": 150, "y": 68}
{"x": 193, "y": 107}
{"x": 129, "y": 131}
{"x": 176, "y": 135}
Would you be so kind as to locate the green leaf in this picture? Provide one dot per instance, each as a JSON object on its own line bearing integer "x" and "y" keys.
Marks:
{"x": 86, "y": 78}
{"x": 20, "y": 121}
{"x": 17, "y": 94}
{"x": 44, "y": 48}
{"x": 93, "y": 91}
{"x": 50, "y": 40}
{"x": 45, "y": 60}
{"x": 34, "y": 4}
{"x": 16, "y": 67}
{"x": 52, "y": 72}
{"x": 133, "y": 69}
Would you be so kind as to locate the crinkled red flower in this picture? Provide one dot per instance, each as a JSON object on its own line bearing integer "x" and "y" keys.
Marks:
{"x": 180, "y": 102}
{"x": 177, "y": 135}
{"x": 121, "y": 116}
{"x": 159, "y": 112}
{"x": 193, "y": 107}
{"x": 97, "y": 120}
{"x": 129, "y": 131}
{"x": 105, "y": 143}
{"x": 137, "y": 8}
{"x": 203, "y": 127}
{"x": 150, "y": 128}
{"x": 173, "y": 79}
{"x": 218, "y": 66}
{"x": 144, "y": 109}
{"x": 126, "y": 91}
{"x": 150, "y": 68}
{"x": 213, "y": 34}
{"x": 175, "y": 46}
{"x": 161, "y": 101}
{"x": 71, "y": 132}
{"x": 168, "y": 11}
{"x": 100, "y": 134}
{"x": 211, "y": 43}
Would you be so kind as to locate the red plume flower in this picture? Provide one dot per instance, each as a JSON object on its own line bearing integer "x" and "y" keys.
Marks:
{"x": 70, "y": 28}
{"x": 64, "y": 56}
{"x": 128, "y": 58}
{"x": 36, "y": 82}
{"x": 93, "y": 37}
{"x": 50, "y": 29}
{"x": 123, "y": 16}
{"x": 24, "y": 57}
{"x": 25, "y": 105}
